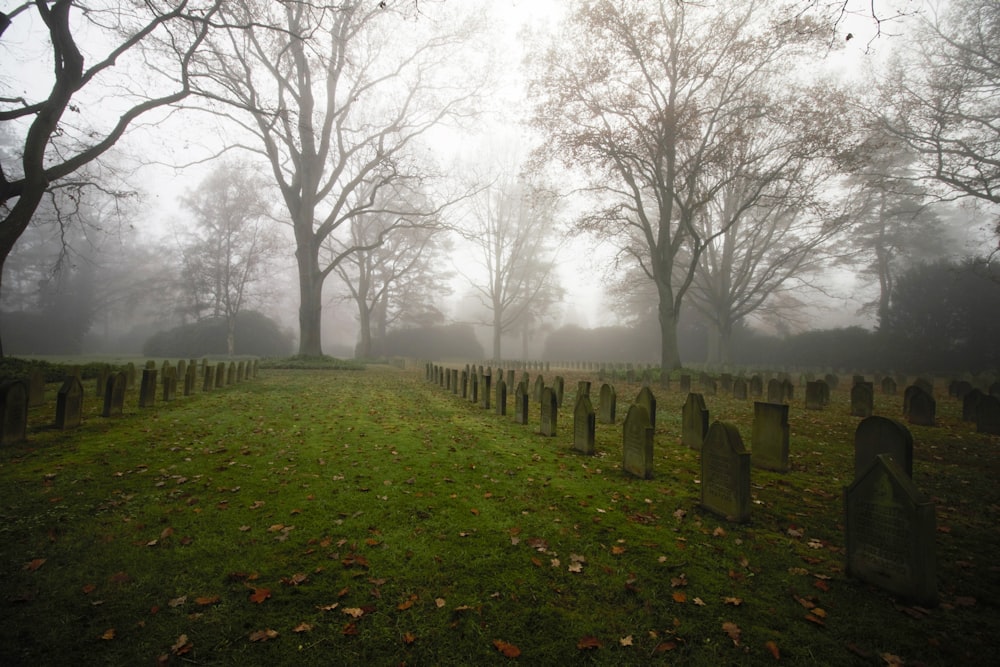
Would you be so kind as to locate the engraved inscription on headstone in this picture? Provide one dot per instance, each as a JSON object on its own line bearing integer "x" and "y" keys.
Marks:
{"x": 637, "y": 442}
{"x": 725, "y": 473}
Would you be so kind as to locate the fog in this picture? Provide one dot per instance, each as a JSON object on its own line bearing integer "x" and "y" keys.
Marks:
{"x": 486, "y": 193}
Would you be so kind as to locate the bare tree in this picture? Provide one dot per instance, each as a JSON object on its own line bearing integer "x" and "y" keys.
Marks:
{"x": 652, "y": 98}
{"x": 53, "y": 146}
{"x": 228, "y": 254}
{"x": 335, "y": 98}
{"x": 511, "y": 225}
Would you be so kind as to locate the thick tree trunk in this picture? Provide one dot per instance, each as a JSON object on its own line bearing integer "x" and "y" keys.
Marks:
{"x": 363, "y": 350}
{"x": 231, "y": 335}
{"x": 496, "y": 337}
{"x": 670, "y": 357}
{"x": 310, "y": 302}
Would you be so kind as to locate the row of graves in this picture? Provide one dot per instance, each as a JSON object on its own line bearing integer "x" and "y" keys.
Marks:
{"x": 889, "y": 523}
{"x": 112, "y": 386}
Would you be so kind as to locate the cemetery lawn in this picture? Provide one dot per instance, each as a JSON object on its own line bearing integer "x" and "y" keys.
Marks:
{"x": 371, "y": 518}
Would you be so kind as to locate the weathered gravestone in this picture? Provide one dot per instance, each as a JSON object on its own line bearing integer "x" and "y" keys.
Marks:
{"x": 970, "y": 403}
{"x": 889, "y": 532}
{"x": 521, "y": 403}
{"x": 817, "y": 395}
{"x": 648, "y": 401}
{"x": 788, "y": 389}
{"x": 708, "y": 385}
{"x": 130, "y": 375}
{"x": 881, "y": 435}
{"x": 150, "y": 364}
{"x": 959, "y": 388}
{"x": 69, "y": 404}
{"x": 511, "y": 377}
{"x": 559, "y": 387}
{"x": 888, "y": 386}
{"x": 501, "y": 397}
{"x": 769, "y": 438}
{"x": 862, "y": 399}
{"x": 539, "y": 386}
{"x": 685, "y": 384}
{"x": 463, "y": 383}
{"x": 454, "y": 381}
{"x": 584, "y": 424}
{"x": 775, "y": 391}
{"x": 988, "y": 415}
{"x": 637, "y": 442}
{"x": 484, "y": 393}
{"x": 607, "y": 405}
{"x": 694, "y": 421}
{"x": 169, "y": 383}
{"x": 474, "y": 387}
{"x": 114, "y": 395}
{"x": 147, "y": 388}
{"x": 13, "y": 412}
{"x": 549, "y": 412}
{"x": 740, "y": 389}
{"x": 832, "y": 381}
{"x": 583, "y": 387}
{"x": 925, "y": 384}
{"x": 725, "y": 473}
{"x": 756, "y": 386}
{"x": 726, "y": 383}
{"x": 209, "y": 377}
{"x": 240, "y": 371}
{"x": 36, "y": 388}
{"x": 181, "y": 370}
{"x": 103, "y": 373}
{"x": 190, "y": 377}
{"x": 220, "y": 375}
{"x": 919, "y": 406}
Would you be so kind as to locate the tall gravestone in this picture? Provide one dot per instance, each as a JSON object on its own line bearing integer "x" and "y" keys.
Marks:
{"x": 888, "y": 386}
{"x": 725, "y": 473}
{"x": 648, "y": 401}
{"x": 36, "y": 388}
{"x": 169, "y": 383}
{"x": 607, "y": 404}
{"x": 147, "y": 388}
{"x": 637, "y": 442}
{"x": 486, "y": 389}
{"x": 815, "y": 394}
{"x": 925, "y": 384}
{"x": 130, "y": 375}
{"x": 787, "y": 389}
{"x": 208, "y": 381}
{"x": 549, "y": 413}
{"x": 559, "y": 387}
{"x": 511, "y": 378}
{"x": 769, "y": 438}
{"x": 182, "y": 368}
{"x": 539, "y": 386}
{"x": 919, "y": 407}
{"x": 694, "y": 421}
{"x": 69, "y": 404}
{"x": 114, "y": 395}
{"x": 583, "y": 387}
{"x": 862, "y": 399}
{"x": 521, "y": 403}
{"x": 474, "y": 387}
{"x": 584, "y": 424}
{"x": 988, "y": 415}
{"x": 500, "y": 399}
{"x": 740, "y": 390}
{"x": 103, "y": 373}
{"x": 220, "y": 375}
{"x": 881, "y": 435}
{"x": 889, "y": 532}
{"x": 464, "y": 384}
{"x": 190, "y": 377}
{"x": 13, "y": 412}
{"x": 231, "y": 373}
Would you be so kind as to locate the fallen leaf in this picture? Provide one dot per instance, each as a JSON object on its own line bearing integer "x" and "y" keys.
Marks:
{"x": 736, "y": 602}
{"x": 617, "y": 550}
{"x": 206, "y": 601}
{"x": 181, "y": 646}
{"x": 663, "y": 647}
{"x": 699, "y": 602}
{"x": 89, "y": 588}
{"x": 177, "y": 602}
{"x": 108, "y": 634}
{"x": 34, "y": 565}
{"x": 719, "y": 532}
{"x": 589, "y": 643}
{"x": 506, "y": 648}
{"x": 816, "y": 620}
{"x": 403, "y": 606}
{"x": 576, "y": 567}
{"x": 892, "y": 660}
{"x": 353, "y": 612}
{"x": 263, "y": 635}
{"x": 680, "y": 596}
{"x": 625, "y": 641}
{"x": 439, "y": 602}
{"x": 303, "y": 627}
{"x": 259, "y": 595}
{"x": 773, "y": 648}
{"x": 409, "y": 638}
{"x": 350, "y": 629}
{"x": 733, "y": 631}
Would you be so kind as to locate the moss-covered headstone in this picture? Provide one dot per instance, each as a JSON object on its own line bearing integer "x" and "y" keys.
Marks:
{"x": 584, "y": 424}
{"x": 521, "y": 403}
{"x": 637, "y": 442}
{"x": 769, "y": 438}
{"x": 607, "y": 404}
{"x": 648, "y": 401}
{"x": 881, "y": 435}
{"x": 694, "y": 421}
{"x": 13, "y": 412}
{"x": 69, "y": 404}
{"x": 725, "y": 473}
{"x": 549, "y": 413}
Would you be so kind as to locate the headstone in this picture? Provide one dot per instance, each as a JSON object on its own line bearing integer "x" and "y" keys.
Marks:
{"x": 539, "y": 385}
{"x": 474, "y": 387}
{"x": 988, "y": 415}
{"x": 607, "y": 404}
{"x": 240, "y": 371}
{"x": 832, "y": 381}
{"x": 501, "y": 397}
{"x": 788, "y": 389}
{"x": 13, "y": 412}
{"x": 484, "y": 393}
{"x": 559, "y": 386}
{"x": 182, "y": 368}
{"x": 231, "y": 373}
{"x": 925, "y": 384}
{"x": 725, "y": 473}
{"x": 637, "y": 442}
{"x": 36, "y": 388}
{"x": 190, "y": 377}
{"x": 511, "y": 378}
{"x": 881, "y": 435}
{"x": 694, "y": 421}
{"x": 147, "y": 388}
{"x": 959, "y": 388}
{"x": 169, "y": 383}
{"x": 584, "y": 424}
{"x": 454, "y": 381}
{"x": 69, "y": 404}
{"x": 209, "y": 378}
{"x": 103, "y": 373}
{"x": 775, "y": 391}
{"x": 726, "y": 383}
{"x": 970, "y": 402}
{"x": 583, "y": 387}
{"x": 648, "y": 401}
{"x": 769, "y": 438}
{"x": 464, "y": 383}
{"x": 756, "y": 387}
{"x": 919, "y": 407}
{"x": 888, "y": 386}
{"x": 889, "y": 532}
{"x": 220, "y": 375}
{"x": 549, "y": 412}
{"x": 521, "y": 403}
{"x": 815, "y": 392}
{"x": 740, "y": 389}
{"x": 862, "y": 399}
{"x": 130, "y": 375}
{"x": 114, "y": 395}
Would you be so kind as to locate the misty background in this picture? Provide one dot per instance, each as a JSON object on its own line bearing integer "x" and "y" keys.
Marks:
{"x": 661, "y": 182}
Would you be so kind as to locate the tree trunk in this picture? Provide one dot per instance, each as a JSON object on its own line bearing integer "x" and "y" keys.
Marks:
{"x": 670, "y": 357}
{"x": 310, "y": 301}
{"x": 231, "y": 335}
{"x": 363, "y": 349}
{"x": 496, "y": 336}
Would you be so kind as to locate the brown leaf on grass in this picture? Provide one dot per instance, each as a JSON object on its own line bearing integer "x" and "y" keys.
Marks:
{"x": 259, "y": 595}
{"x": 736, "y": 602}
{"x": 773, "y": 649}
{"x": 34, "y": 565}
{"x": 815, "y": 620}
{"x": 719, "y": 532}
{"x": 207, "y": 600}
{"x": 617, "y": 550}
{"x": 439, "y": 602}
{"x": 576, "y": 567}
{"x": 892, "y": 660}
{"x": 89, "y": 588}
{"x": 167, "y": 532}
{"x": 589, "y": 643}
{"x": 733, "y": 631}
{"x": 177, "y": 602}
{"x": 409, "y": 638}
{"x": 109, "y": 634}
{"x": 328, "y": 607}
{"x": 663, "y": 647}
{"x": 506, "y": 648}
{"x": 181, "y": 646}
{"x": 303, "y": 627}
{"x": 353, "y": 612}
{"x": 350, "y": 629}
{"x": 263, "y": 635}
{"x": 474, "y": 511}
{"x": 403, "y": 606}
{"x": 625, "y": 641}
{"x": 822, "y": 585}
{"x": 295, "y": 580}
{"x": 680, "y": 597}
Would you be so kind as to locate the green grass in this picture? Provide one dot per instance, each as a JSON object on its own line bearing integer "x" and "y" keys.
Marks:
{"x": 445, "y": 527}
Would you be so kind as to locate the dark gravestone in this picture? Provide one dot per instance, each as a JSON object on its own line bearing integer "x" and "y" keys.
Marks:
{"x": 637, "y": 443}
{"x": 69, "y": 404}
{"x": 13, "y": 412}
{"x": 130, "y": 375}
{"x": 756, "y": 387}
{"x": 181, "y": 370}
{"x": 988, "y": 415}
{"x": 583, "y": 387}
{"x": 832, "y": 381}
{"x": 788, "y": 389}
{"x": 487, "y": 387}
{"x": 103, "y": 373}
{"x": 970, "y": 403}
{"x": 240, "y": 371}
{"x": 694, "y": 421}
{"x": 925, "y": 384}
{"x": 919, "y": 407}
{"x": 151, "y": 365}
{"x": 169, "y": 382}
{"x": 888, "y": 386}
{"x": 584, "y": 424}
{"x": 881, "y": 435}
{"x": 474, "y": 387}
{"x": 889, "y": 532}
{"x": 521, "y": 403}
{"x": 775, "y": 391}
{"x": 36, "y": 388}
{"x": 501, "y": 397}
{"x": 190, "y": 377}
{"x": 607, "y": 405}
{"x": 220, "y": 375}
{"x": 862, "y": 399}
{"x": 959, "y": 388}
{"x": 549, "y": 413}
{"x": 815, "y": 392}
{"x": 740, "y": 389}
{"x": 685, "y": 384}
{"x": 725, "y": 473}
{"x": 559, "y": 387}
{"x": 147, "y": 388}
{"x": 539, "y": 386}
{"x": 454, "y": 381}
{"x": 114, "y": 395}
{"x": 209, "y": 378}
{"x": 464, "y": 384}
{"x": 769, "y": 438}
{"x": 511, "y": 378}
{"x": 648, "y": 401}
